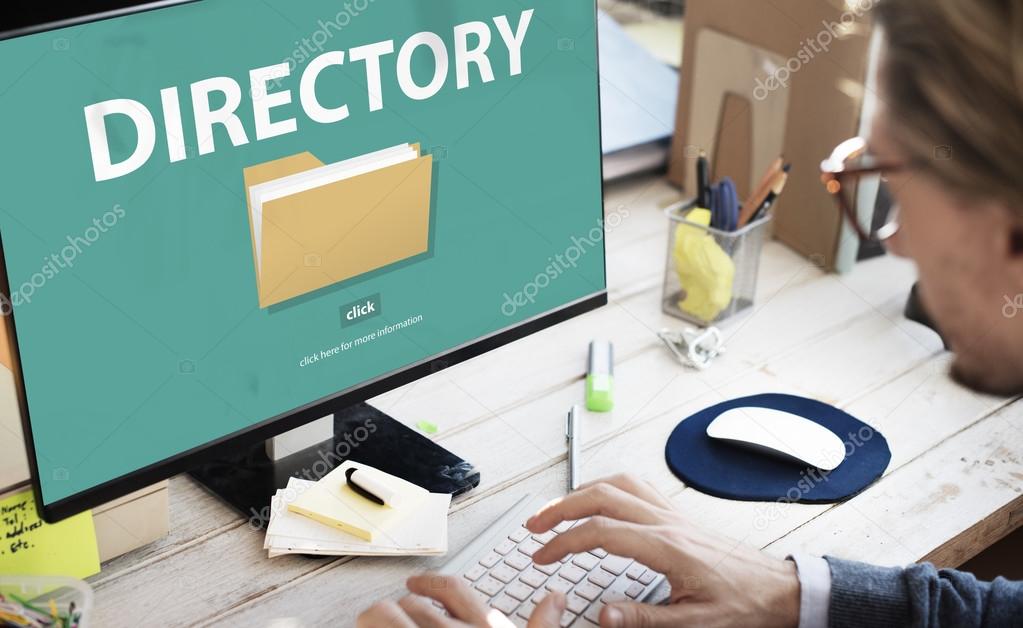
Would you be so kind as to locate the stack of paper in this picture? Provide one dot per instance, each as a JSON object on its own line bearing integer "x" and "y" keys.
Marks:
{"x": 329, "y": 518}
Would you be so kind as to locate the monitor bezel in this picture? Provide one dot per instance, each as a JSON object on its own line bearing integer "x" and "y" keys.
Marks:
{"x": 274, "y": 426}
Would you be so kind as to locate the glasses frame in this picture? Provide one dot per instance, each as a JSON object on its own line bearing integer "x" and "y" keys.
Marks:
{"x": 837, "y": 176}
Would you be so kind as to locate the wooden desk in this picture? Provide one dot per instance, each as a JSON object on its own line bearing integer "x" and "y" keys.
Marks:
{"x": 953, "y": 486}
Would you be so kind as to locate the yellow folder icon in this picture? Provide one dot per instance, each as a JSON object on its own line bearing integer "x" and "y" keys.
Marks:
{"x": 316, "y": 225}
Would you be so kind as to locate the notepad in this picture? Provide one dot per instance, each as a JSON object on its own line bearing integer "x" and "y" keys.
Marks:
{"x": 32, "y": 547}
{"x": 425, "y": 533}
{"x": 331, "y": 502}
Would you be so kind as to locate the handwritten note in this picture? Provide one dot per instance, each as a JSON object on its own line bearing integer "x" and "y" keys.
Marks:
{"x": 28, "y": 546}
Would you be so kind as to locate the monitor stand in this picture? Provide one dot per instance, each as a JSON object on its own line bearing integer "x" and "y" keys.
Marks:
{"x": 249, "y": 478}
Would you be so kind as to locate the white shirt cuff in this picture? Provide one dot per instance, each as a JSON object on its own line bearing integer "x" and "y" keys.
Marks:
{"x": 814, "y": 590}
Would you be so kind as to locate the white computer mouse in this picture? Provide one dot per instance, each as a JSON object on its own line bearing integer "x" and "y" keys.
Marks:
{"x": 780, "y": 434}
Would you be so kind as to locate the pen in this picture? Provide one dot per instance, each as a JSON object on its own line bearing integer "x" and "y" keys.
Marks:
{"x": 702, "y": 181}
{"x": 572, "y": 435}
{"x": 760, "y": 192}
{"x": 365, "y": 485}
{"x": 776, "y": 189}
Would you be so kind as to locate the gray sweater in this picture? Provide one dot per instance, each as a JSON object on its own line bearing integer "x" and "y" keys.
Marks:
{"x": 864, "y": 596}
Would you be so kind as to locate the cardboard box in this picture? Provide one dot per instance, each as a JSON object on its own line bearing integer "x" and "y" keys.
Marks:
{"x": 792, "y": 74}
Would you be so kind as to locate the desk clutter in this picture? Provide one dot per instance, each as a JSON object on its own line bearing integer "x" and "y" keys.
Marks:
{"x": 357, "y": 510}
{"x": 714, "y": 246}
{"x": 44, "y": 602}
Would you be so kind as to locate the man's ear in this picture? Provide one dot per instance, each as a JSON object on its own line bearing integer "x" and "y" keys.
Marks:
{"x": 1016, "y": 242}
{"x": 1014, "y": 252}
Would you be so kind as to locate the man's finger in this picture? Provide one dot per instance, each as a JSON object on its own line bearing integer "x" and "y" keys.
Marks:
{"x": 634, "y": 486}
{"x": 641, "y": 542}
{"x": 425, "y": 614}
{"x": 385, "y": 614}
{"x": 601, "y": 499}
{"x": 548, "y": 612}
{"x": 453, "y": 593}
{"x": 623, "y": 614}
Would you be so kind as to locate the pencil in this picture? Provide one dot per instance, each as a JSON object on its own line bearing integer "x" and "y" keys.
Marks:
{"x": 777, "y": 187}
{"x": 760, "y": 192}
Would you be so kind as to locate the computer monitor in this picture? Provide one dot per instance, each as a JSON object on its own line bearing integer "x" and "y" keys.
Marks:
{"x": 224, "y": 219}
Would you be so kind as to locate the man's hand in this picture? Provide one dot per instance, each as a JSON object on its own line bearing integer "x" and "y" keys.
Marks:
{"x": 714, "y": 582}
{"x": 465, "y": 607}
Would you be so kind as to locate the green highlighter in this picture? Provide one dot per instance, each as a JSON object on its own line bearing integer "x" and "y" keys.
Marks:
{"x": 600, "y": 377}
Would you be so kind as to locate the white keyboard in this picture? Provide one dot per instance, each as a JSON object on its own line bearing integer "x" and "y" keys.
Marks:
{"x": 499, "y": 567}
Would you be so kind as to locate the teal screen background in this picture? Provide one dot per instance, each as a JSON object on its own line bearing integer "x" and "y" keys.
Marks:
{"x": 152, "y": 342}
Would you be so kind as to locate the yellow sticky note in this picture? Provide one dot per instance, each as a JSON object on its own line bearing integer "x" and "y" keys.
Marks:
{"x": 28, "y": 546}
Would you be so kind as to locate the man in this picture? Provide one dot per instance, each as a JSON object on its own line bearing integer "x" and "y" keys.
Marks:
{"x": 949, "y": 140}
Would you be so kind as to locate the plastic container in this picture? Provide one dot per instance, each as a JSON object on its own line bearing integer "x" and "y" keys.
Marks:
{"x": 711, "y": 275}
{"x": 39, "y": 590}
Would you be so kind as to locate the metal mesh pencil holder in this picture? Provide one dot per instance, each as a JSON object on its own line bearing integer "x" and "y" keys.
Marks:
{"x": 711, "y": 275}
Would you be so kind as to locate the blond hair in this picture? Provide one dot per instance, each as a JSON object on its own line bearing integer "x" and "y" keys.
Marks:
{"x": 953, "y": 82}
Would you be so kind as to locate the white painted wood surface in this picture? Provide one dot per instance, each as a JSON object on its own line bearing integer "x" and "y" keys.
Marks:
{"x": 953, "y": 487}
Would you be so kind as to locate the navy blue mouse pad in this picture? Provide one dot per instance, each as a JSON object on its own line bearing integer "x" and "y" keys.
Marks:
{"x": 731, "y": 472}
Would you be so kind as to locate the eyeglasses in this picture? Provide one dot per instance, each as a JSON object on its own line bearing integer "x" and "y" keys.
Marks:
{"x": 851, "y": 168}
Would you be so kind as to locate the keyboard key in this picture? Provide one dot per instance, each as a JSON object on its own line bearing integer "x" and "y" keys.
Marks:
{"x": 648, "y": 576}
{"x": 601, "y": 578}
{"x": 519, "y": 591}
{"x": 483, "y": 598}
{"x": 517, "y": 561}
{"x": 526, "y": 610}
{"x": 576, "y": 604}
{"x": 615, "y": 564}
{"x": 589, "y": 591}
{"x": 529, "y": 547}
{"x": 504, "y": 547}
{"x": 582, "y": 622}
{"x": 612, "y": 596}
{"x": 567, "y": 558}
{"x": 635, "y": 571}
{"x": 490, "y": 560}
{"x": 545, "y": 538}
{"x": 538, "y": 596}
{"x": 599, "y": 553}
{"x": 550, "y": 570}
{"x": 586, "y": 561}
{"x": 504, "y": 573}
{"x": 635, "y": 590}
{"x": 475, "y": 573}
{"x": 533, "y": 578}
{"x": 572, "y": 573}
{"x": 519, "y": 535}
{"x": 559, "y": 584}
{"x": 563, "y": 527}
{"x": 616, "y": 593}
{"x": 593, "y": 612}
{"x": 440, "y": 608}
{"x": 505, "y": 603}
{"x": 489, "y": 586}
{"x": 566, "y": 619}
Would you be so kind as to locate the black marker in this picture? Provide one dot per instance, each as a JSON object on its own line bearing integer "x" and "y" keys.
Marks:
{"x": 360, "y": 490}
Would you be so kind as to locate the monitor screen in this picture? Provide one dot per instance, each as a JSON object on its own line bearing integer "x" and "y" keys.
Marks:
{"x": 215, "y": 214}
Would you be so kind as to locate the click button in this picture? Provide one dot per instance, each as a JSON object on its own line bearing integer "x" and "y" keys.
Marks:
{"x": 360, "y": 310}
